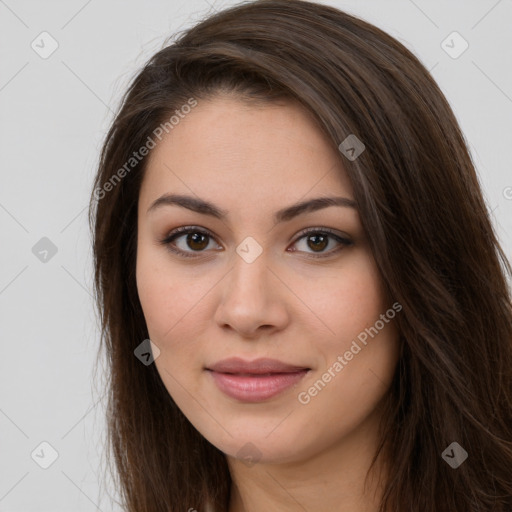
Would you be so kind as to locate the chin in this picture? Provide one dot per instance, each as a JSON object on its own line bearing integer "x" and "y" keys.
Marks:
{"x": 262, "y": 442}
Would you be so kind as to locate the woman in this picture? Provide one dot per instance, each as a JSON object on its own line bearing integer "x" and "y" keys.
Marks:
{"x": 304, "y": 304}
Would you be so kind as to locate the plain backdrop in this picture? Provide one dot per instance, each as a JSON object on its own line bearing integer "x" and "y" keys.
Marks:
{"x": 55, "y": 110}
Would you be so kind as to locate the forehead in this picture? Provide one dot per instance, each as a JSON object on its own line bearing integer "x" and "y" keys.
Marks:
{"x": 234, "y": 152}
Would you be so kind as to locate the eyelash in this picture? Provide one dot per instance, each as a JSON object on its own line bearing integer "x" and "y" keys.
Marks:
{"x": 176, "y": 233}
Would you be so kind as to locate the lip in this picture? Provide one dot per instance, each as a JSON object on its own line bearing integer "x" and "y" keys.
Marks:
{"x": 257, "y": 366}
{"x": 255, "y": 381}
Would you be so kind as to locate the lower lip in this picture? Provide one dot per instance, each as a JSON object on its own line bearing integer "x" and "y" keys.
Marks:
{"x": 255, "y": 388}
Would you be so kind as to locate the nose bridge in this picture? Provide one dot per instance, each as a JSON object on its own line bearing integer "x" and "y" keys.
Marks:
{"x": 249, "y": 277}
{"x": 251, "y": 297}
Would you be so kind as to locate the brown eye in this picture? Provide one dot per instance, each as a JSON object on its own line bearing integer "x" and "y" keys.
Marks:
{"x": 317, "y": 240}
{"x": 195, "y": 240}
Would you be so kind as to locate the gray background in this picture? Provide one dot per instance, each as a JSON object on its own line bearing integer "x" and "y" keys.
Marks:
{"x": 54, "y": 114}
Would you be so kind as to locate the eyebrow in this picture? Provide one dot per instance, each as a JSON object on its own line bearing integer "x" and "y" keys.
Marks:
{"x": 285, "y": 214}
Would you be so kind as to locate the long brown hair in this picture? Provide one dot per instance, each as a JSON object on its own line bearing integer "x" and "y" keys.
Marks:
{"x": 429, "y": 229}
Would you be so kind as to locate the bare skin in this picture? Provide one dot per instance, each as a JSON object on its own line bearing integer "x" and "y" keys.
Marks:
{"x": 304, "y": 454}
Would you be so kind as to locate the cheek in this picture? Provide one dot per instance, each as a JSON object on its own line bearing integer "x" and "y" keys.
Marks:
{"x": 168, "y": 311}
{"x": 174, "y": 302}
{"x": 345, "y": 393}
{"x": 170, "y": 299}
{"x": 348, "y": 301}
{"x": 352, "y": 305}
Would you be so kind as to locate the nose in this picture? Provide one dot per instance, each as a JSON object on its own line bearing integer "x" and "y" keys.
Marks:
{"x": 252, "y": 299}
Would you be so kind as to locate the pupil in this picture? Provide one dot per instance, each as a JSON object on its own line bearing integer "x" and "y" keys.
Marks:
{"x": 195, "y": 238}
{"x": 322, "y": 244}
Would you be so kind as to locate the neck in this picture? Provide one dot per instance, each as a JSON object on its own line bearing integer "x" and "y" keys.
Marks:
{"x": 334, "y": 477}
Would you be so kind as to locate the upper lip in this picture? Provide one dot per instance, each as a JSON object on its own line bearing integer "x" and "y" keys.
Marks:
{"x": 258, "y": 366}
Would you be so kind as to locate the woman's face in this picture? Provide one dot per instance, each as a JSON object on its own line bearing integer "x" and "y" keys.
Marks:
{"x": 250, "y": 284}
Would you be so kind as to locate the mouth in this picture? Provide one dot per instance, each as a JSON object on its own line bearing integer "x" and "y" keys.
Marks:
{"x": 257, "y": 380}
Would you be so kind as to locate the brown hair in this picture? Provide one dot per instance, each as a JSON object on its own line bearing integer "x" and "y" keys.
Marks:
{"x": 428, "y": 226}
